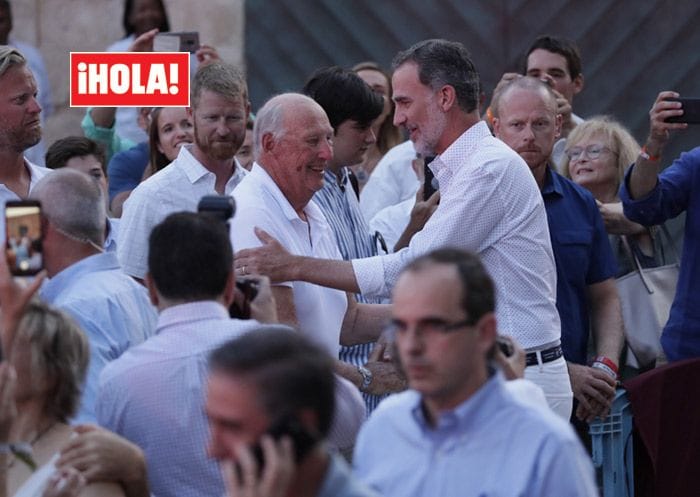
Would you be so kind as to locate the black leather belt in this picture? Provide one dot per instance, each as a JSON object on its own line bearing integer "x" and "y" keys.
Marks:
{"x": 548, "y": 355}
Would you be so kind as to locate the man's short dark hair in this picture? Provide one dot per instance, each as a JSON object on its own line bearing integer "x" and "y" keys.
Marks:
{"x": 64, "y": 149}
{"x": 343, "y": 95}
{"x": 478, "y": 291}
{"x": 563, "y": 46}
{"x": 442, "y": 62}
{"x": 291, "y": 372}
{"x": 190, "y": 257}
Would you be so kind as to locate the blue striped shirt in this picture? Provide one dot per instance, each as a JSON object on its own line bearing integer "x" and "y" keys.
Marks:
{"x": 342, "y": 210}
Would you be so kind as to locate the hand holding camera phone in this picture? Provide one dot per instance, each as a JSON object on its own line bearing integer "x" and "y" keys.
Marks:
{"x": 183, "y": 41}
{"x": 23, "y": 237}
{"x": 691, "y": 111}
{"x": 249, "y": 287}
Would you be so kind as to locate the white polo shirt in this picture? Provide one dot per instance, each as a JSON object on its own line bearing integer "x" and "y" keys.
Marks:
{"x": 259, "y": 202}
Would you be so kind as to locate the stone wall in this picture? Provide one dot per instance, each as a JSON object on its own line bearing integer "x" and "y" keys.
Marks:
{"x": 58, "y": 27}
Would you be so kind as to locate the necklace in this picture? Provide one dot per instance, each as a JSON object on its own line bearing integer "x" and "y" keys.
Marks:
{"x": 24, "y": 450}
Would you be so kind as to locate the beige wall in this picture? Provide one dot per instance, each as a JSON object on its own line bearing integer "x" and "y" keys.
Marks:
{"x": 58, "y": 27}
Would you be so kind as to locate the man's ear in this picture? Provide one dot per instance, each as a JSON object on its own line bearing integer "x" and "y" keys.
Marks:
{"x": 447, "y": 97}
{"x": 268, "y": 142}
{"x": 496, "y": 123}
{"x": 578, "y": 83}
{"x": 230, "y": 289}
{"x": 488, "y": 331}
{"x": 557, "y": 125}
{"x": 152, "y": 292}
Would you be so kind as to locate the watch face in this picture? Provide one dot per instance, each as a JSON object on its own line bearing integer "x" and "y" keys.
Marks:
{"x": 366, "y": 376}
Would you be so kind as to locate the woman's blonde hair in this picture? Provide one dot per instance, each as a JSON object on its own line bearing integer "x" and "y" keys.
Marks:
{"x": 59, "y": 351}
{"x": 618, "y": 138}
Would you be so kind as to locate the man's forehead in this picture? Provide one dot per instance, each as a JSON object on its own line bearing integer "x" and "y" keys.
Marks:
{"x": 543, "y": 59}
{"x": 526, "y": 99}
{"x": 307, "y": 120}
{"x": 213, "y": 98}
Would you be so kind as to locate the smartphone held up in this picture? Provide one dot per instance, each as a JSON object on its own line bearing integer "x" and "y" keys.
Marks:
{"x": 691, "y": 111}
{"x": 23, "y": 237}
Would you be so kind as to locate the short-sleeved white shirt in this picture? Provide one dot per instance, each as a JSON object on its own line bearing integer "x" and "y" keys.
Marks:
{"x": 260, "y": 202}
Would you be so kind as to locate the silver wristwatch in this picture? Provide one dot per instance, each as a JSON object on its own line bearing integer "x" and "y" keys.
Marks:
{"x": 366, "y": 377}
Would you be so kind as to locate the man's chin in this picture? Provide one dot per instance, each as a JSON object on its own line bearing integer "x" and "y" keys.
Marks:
{"x": 30, "y": 141}
{"x": 221, "y": 153}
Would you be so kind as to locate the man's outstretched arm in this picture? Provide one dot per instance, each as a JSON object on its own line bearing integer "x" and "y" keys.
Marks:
{"x": 272, "y": 260}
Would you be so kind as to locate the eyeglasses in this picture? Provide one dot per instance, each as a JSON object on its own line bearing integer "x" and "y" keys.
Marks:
{"x": 428, "y": 327}
{"x": 592, "y": 152}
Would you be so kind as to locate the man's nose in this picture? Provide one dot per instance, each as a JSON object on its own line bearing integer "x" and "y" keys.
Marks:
{"x": 370, "y": 137}
{"x": 399, "y": 118}
{"x": 326, "y": 150}
{"x": 34, "y": 106}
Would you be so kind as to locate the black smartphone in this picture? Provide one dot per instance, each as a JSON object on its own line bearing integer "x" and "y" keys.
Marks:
{"x": 221, "y": 207}
{"x": 691, "y": 111}
{"x": 23, "y": 237}
{"x": 430, "y": 185}
{"x": 289, "y": 425}
{"x": 249, "y": 289}
{"x": 505, "y": 345}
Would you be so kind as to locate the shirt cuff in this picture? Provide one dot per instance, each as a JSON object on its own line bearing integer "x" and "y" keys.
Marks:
{"x": 369, "y": 273}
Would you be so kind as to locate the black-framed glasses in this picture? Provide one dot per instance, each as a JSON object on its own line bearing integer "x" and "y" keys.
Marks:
{"x": 427, "y": 327}
{"x": 592, "y": 152}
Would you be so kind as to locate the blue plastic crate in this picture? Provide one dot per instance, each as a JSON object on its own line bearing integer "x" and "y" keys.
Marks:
{"x": 612, "y": 449}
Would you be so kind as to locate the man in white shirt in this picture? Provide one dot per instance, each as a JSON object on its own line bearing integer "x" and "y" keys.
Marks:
{"x": 489, "y": 204}
{"x": 219, "y": 113}
{"x": 292, "y": 137}
{"x": 20, "y": 128}
{"x": 35, "y": 62}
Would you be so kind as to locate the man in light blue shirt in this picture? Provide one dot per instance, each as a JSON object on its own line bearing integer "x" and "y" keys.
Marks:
{"x": 112, "y": 309}
{"x": 153, "y": 395}
{"x": 459, "y": 430}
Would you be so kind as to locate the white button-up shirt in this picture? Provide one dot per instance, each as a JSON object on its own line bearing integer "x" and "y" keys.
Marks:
{"x": 177, "y": 187}
{"x": 489, "y": 204}
{"x": 392, "y": 180}
{"x": 35, "y": 174}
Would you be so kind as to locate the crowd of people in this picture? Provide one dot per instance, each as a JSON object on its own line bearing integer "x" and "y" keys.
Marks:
{"x": 411, "y": 282}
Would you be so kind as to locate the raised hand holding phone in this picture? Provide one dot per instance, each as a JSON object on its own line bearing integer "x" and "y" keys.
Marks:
{"x": 248, "y": 477}
{"x": 14, "y": 297}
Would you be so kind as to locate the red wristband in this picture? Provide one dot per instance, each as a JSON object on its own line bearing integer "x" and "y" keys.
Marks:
{"x": 608, "y": 362}
{"x": 647, "y": 156}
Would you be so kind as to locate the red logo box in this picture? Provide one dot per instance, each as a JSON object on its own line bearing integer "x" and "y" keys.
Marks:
{"x": 129, "y": 79}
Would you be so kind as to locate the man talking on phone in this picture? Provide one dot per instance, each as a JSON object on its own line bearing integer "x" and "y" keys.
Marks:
{"x": 650, "y": 197}
{"x": 270, "y": 404}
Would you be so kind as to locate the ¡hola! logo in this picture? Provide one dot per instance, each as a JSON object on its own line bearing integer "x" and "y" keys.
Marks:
{"x": 129, "y": 79}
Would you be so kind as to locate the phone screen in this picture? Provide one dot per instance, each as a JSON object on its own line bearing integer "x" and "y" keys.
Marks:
{"x": 23, "y": 237}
